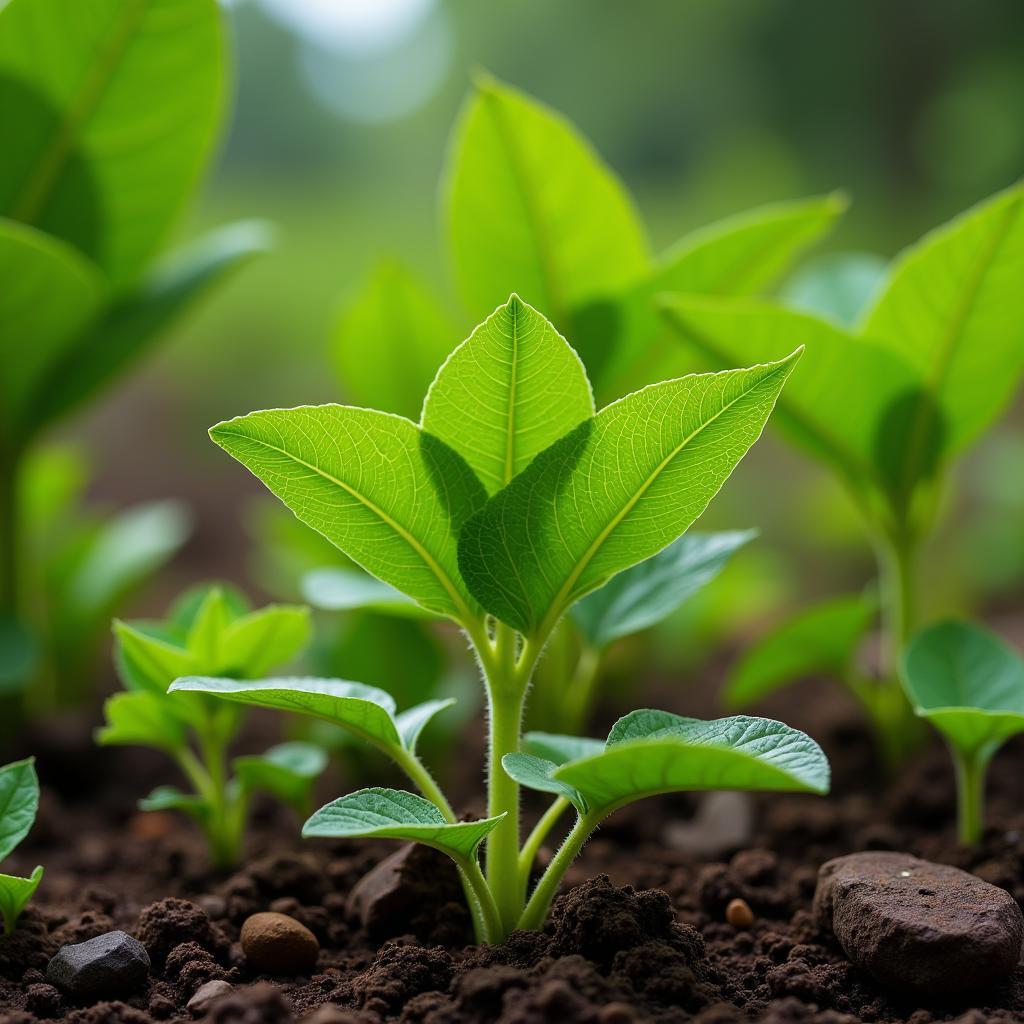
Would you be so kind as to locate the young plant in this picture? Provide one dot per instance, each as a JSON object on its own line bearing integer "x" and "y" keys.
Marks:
{"x": 101, "y": 156}
{"x": 211, "y": 631}
{"x": 888, "y": 405}
{"x": 970, "y": 685}
{"x": 506, "y": 504}
{"x": 19, "y": 802}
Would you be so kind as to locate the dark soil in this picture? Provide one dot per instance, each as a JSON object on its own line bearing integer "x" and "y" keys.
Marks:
{"x": 639, "y": 934}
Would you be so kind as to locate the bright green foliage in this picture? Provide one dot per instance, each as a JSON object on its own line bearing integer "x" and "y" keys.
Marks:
{"x": 531, "y": 207}
{"x": 19, "y": 802}
{"x": 575, "y": 500}
{"x": 389, "y": 340}
{"x": 970, "y": 685}
{"x": 838, "y": 286}
{"x": 210, "y": 630}
{"x": 339, "y": 590}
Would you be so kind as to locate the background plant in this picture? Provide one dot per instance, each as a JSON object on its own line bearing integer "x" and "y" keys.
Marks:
{"x": 970, "y": 685}
{"x": 509, "y": 502}
{"x": 210, "y": 630}
{"x": 114, "y": 108}
{"x": 19, "y": 802}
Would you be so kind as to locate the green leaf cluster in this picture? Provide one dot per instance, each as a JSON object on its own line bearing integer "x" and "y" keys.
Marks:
{"x": 19, "y": 802}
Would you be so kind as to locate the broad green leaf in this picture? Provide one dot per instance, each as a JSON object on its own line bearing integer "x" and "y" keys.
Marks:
{"x": 114, "y": 107}
{"x": 822, "y": 640}
{"x": 625, "y": 344}
{"x": 170, "y": 798}
{"x": 968, "y": 683}
{"x": 395, "y": 814}
{"x": 263, "y": 640}
{"x": 136, "y": 321}
{"x": 286, "y": 771}
{"x": 391, "y": 497}
{"x": 342, "y": 590}
{"x": 615, "y": 491}
{"x": 363, "y": 710}
{"x": 205, "y": 640}
{"x": 838, "y": 286}
{"x": 538, "y": 773}
{"x": 390, "y": 339}
{"x": 532, "y": 208}
{"x": 559, "y": 749}
{"x": 951, "y": 308}
{"x": 14, "y": 896}
{"x": 141, "y": 719}
{"x": 150, "y": 662}
{"x": 642, "y": 596}
{"x": 49, "y": 294}
{"x": 19, "y": 802}
{"x": 668, "y": 753}
{"x": 412, "y": 721}
{"x": 509, "y": 391}
{"x": 839, "y": 404}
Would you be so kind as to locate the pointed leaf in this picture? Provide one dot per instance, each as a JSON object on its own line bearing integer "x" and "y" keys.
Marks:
{"x": 363, "y": 710}
{"x": 389, "y": 341}
{"x": 968, "y": 683}
{"x": 509, "y": 391}
{"x": 205, "y": 641}
{"x": 140, "y": 719}
{"x": 14, "y": 896}
{"x": 391, "y": 497}
{"x": 531, "y": 207}
{"x": 650, "y": 591}
{"x": 612, "y": 493}
{"x": 261, "y": 641}
{"x": 170, "y": 798}
{"x": 19, "y": 802}
{"x": 395, "y": 814}
{"x": 553, "y": 747}
{"x": 342, "y": 590}
{"x": 182, "y": 615}
{"x": 286, "y": 771}
{"x": 150, "y": 661}
{"x": 412, "y": 721}
{"x": 538, "y": 773}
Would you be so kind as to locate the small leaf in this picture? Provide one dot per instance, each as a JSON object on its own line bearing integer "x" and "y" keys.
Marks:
{"x": 286, "y": 771}
{"x": 150, "y": 662}
{"x": 170, "y": 798}
{"x": 650, "y": 591}
{"x": 612, "y": 493}
{"x": 261, "y": 641}
{"x": 968, "y": 683}
{"x": 363, "y": 710}
{"x": 538, "y": 773}
{"x": 341, "y": 590}
{"x": 141, "y": 719}
{"x": 838, "y": 286}
{"x": 559, "y": 749}
{"x": 395, "y": 814}
{"x": 205, "y": 640}
{"x": 412, "y": 721}
{"x": 391, "y": 497}
{"x": 19, "y": 802}
{"x": 822, "y": 640}
{"x": 510, "y": 390}
{"x": 182, "y": 615}
{"x": 14, "y": 896}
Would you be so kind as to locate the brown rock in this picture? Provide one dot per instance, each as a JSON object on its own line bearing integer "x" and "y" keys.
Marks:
{"x": 739, "y": 914}
{"x": 917, "y": 925}
{"x": 206, "y": 995}
{"x": 278, "y": 944}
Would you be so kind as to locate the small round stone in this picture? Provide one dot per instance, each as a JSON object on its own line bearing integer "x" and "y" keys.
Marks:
{"x": 278, "y": 944}
{"x": 739, "y": 914}
{"x": 206, "y": 995}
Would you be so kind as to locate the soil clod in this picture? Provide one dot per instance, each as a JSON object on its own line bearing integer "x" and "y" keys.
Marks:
{"x": 107, "y": 965}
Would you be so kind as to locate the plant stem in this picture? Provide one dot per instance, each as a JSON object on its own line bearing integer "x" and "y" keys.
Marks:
{"x": 528, "y": 854}
{"x": 486, "y": 917}
{"x": 970, "y": 796}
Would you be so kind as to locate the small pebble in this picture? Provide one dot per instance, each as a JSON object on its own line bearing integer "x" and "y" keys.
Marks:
{"x": 108, "y": 965}
{"x": 739, "y": 914}
{"x": 206, "y": 995}
{"x": 278, "y": 944}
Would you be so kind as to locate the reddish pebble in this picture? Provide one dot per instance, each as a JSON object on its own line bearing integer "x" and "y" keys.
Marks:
{"x": 739, "y": 914}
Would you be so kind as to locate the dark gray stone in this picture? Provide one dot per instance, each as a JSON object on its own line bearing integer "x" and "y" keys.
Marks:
{"x": 915, "y": 925}
{"x": 111, "y": 964}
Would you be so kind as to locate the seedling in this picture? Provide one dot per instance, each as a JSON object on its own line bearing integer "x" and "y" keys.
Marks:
{"x": 210, "y": 630}
{"x": 889, "y": 404}
{"x": 19, "y": 802}
{"x": 970, "y": 685}
{"x": 509, "y": 502}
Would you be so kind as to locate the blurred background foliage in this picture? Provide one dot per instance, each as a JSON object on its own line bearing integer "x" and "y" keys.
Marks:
{"x": 342, "y": 116}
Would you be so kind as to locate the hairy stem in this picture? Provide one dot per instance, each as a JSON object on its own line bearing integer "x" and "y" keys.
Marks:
{"x": 486, "y": 916}
{"x": 528, "y": 854}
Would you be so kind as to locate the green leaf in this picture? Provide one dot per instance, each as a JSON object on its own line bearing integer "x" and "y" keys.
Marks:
{"x": 968, "y": 683}
{"x": 363, "y": 710}
{"x": 391, "y": 497}
{"x": 822, "y": 640}
{"x": 286, "y": 771}
{"x": 205, "y": 640}
{"x": 838, "y": 286}
{"x": 263, "y": 640}
{"x": 655, "y": 752}
{"x": 395, "y": 814}
{"x": 509, "y": 391}
{"x": 50, "y": 293}
{"x": 559, "y": 749}
{"x": 531, "y": 207}
{"x": 646, "y": 594}
{"x": 412, "y": 721}
{"x": 141, "y": 719}
{"x": 182, "y": 615}
{"x": 615, "y": 491}
{"x": 539, "y": 773}
{"x": 342, "y": 590}
{"x": 839, "y": 403}
{"x": 14, "y": 896}
{"x": 170, "y": 798}
{"x": 389, "y": 341}
{"x": 19, "y": 802}
{"x": 951, "y": 309}
{"x": 624, "y": 343}
{"x": 136, "y": 321}
{"x": 115, "y": 107}
{"x": 149, "y": 662}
